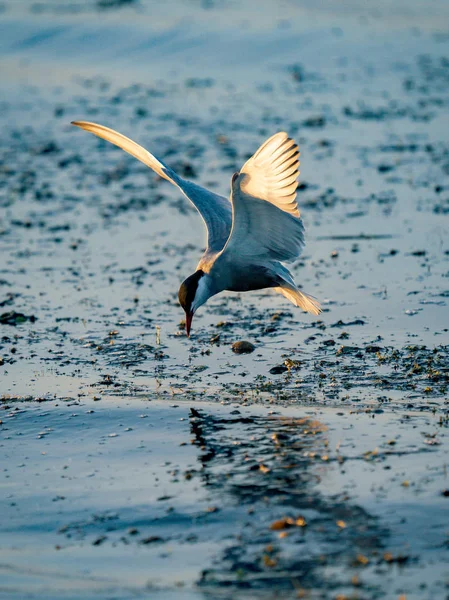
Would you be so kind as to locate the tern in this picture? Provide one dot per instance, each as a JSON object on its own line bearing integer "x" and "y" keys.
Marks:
{"x": 250, "y": 235}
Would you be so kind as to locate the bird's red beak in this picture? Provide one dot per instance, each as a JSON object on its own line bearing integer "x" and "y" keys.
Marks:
{"x": 189, "y": 317}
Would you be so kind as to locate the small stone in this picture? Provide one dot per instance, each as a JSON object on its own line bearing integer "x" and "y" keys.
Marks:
{"x": 152, "y": 539}
{"x": 385, "y": 168}
{"x": 243, "y": 347}
{"x": 99, "y": 540}
{"x": 278, "y": 369}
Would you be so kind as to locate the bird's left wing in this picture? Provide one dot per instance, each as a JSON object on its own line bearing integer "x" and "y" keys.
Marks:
{"x": 215, "y": 210}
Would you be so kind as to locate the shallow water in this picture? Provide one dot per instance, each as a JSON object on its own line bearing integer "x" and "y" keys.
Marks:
{"x": 132, "y": 497}
{"x": 93, "y": 248}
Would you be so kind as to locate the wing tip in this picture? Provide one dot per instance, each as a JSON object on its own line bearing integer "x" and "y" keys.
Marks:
{"x": 284, "y": 134}
{"x": 84, "y": 124}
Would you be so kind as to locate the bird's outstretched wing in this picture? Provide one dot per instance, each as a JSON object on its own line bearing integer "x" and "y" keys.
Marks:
{"x": 265, "y": 219}
{"x": 272, "y": 173}
{"x": 215, "y": 210}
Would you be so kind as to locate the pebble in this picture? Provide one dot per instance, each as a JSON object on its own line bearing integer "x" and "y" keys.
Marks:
{"x": 243, "y": 347}
{"x": 278, "y": 369}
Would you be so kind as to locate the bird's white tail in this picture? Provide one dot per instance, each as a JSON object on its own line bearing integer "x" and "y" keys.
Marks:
{"x": 304, "y": 301}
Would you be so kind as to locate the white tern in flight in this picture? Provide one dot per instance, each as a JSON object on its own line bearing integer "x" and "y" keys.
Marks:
{"x": 248, "y": 236}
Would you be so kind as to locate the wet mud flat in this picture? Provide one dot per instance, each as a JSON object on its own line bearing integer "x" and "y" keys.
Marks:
{"x": 137, "y": 463}
{"x": 94, "y": 246}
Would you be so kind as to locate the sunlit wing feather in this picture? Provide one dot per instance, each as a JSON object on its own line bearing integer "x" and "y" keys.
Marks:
{"x": 266, "y": 223}
{"x": 214, "y": 209}
{"x": 271, "y": 174}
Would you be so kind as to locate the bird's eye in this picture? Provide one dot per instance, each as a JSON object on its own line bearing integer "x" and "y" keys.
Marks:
{"x": 235, "y": 176}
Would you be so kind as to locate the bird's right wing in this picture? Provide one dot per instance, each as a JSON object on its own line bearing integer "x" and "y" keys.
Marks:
{"x": 215, "y": 210}
{"x": 261, "y": 231}
{"x": 266, "y": 223}
{"x": 271, "y": 174}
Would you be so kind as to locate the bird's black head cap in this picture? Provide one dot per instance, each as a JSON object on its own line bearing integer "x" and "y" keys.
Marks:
{"x": 187, "y": 291}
